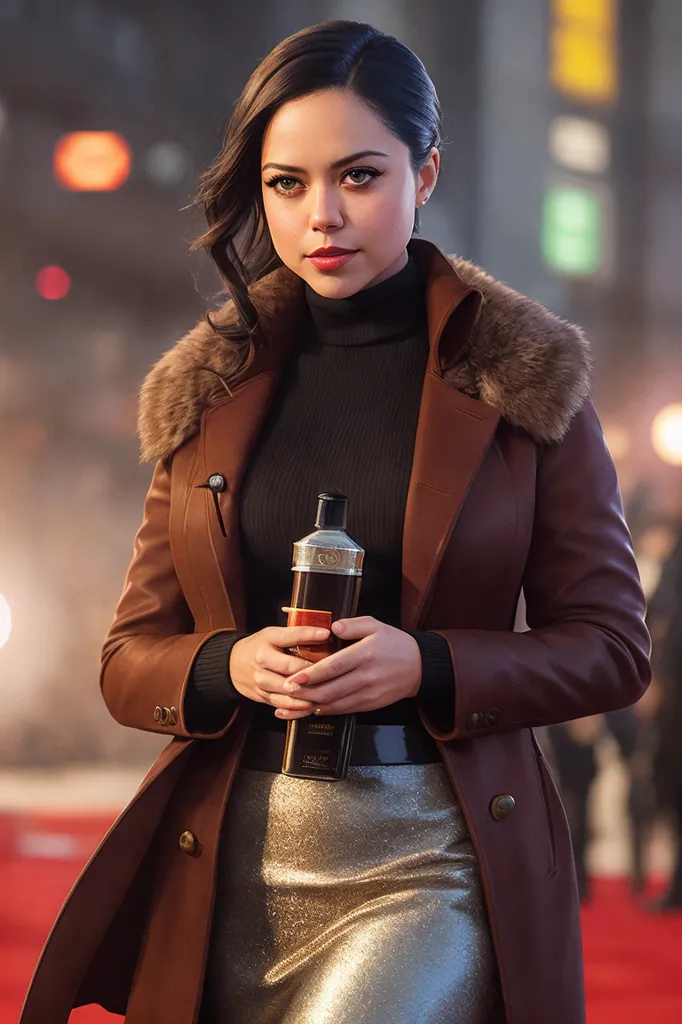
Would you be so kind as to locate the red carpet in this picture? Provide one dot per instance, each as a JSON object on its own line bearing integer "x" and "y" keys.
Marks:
{"x": 633, "y": 959}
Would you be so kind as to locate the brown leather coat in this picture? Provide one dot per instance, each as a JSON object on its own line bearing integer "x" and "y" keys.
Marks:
{"x": 511, "y": 488}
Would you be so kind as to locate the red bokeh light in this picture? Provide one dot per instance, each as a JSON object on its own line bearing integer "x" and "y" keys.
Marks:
{"x": 53, "y": 283}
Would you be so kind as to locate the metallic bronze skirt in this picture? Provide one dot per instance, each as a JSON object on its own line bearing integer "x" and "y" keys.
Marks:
{"x": 351, "y": 902}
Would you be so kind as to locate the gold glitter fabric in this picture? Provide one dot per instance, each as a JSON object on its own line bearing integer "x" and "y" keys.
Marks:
{"x": 349, "y": 902}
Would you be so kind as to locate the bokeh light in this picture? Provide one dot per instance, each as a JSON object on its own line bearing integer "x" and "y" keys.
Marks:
{"x": 167, "y": 163}
{"x": 666, "y": 434}
{"x": 92, "y": 161}
{"x": 53, "y": 283}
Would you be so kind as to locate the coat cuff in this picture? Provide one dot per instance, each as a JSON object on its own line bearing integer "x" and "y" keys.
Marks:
{"x": 436, "y": 692}
{"x": 210, "y": 696}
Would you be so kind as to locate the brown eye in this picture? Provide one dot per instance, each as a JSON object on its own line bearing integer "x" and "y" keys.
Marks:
{"x": 281, "y": 184}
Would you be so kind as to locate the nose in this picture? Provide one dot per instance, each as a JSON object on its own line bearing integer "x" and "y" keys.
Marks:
{"x": 325, "y": 211}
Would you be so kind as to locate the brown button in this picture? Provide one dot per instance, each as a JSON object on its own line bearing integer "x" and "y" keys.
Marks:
{"x": 173, "y": 716}
{"x": 157, "y": 713}
{"x": 189, "y": 844}
{"x": 493, "y": 717}
{"x": 473, "y": 721}
{"x": 502, "y": 806}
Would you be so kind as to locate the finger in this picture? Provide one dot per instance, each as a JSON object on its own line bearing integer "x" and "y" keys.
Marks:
{"x": 287, "y": 636}
{"x": 341, "y": 707}
{"x": 289, "y": 715}
{"x": 327, "y": 693}
{"x": 269, "y": 657}
{"x": 346, "y": 705}
{"x": 332, "y": 667}
{"x": 280, "y": 700}
{"x": 269, "y": 688}
{"x": 357, "y": 627}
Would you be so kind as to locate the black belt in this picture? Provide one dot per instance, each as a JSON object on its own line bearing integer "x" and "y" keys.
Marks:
{"x": 372, "y": 744}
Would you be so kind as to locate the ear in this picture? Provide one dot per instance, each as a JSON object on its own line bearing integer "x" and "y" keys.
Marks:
{"x": 427, "y": 176}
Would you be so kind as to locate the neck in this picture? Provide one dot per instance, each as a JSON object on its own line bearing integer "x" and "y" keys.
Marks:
{"x": 391, "y": 309}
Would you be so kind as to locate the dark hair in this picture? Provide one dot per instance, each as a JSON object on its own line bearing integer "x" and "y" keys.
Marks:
{"x": 377, "y": 67}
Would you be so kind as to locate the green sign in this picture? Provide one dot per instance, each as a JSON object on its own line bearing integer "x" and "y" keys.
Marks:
{"x": 571, "y": 230}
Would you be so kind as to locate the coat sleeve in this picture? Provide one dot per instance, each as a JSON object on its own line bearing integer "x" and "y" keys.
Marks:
{"x": 151, "y": 647}
{"x": 587, "y": 649}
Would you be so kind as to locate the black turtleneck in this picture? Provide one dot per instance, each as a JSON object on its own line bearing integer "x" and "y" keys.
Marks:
{"x": 344, "y": 416}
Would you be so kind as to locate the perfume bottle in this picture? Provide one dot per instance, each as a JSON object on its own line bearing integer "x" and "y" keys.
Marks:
{"x": 327, "y": 568}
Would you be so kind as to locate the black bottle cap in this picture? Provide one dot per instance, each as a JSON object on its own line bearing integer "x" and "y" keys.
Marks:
{"x": 332, "y": 511}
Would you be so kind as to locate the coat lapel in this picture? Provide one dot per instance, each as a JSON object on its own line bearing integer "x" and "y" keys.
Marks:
{"x": 454, "y": 432}
{"x": 229, "y": 432}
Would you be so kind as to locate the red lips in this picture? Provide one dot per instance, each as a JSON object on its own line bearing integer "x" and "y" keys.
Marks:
{"x": 333, "y": 250}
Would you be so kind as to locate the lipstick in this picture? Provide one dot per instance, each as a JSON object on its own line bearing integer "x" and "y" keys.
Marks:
{"x": 331, "y": 262}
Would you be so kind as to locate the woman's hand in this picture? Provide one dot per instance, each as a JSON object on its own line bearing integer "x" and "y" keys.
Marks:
{"x": 382, "y": 667}
{"x": 259, "y": 667}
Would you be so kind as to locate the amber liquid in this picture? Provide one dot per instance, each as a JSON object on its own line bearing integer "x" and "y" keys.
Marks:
{"x": 318, "y": 746}
{"x": 330, "y": 592}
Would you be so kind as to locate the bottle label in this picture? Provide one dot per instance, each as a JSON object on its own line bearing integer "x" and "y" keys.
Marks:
{"x": 312, "y": 617}
{"x": 308, "y": 617}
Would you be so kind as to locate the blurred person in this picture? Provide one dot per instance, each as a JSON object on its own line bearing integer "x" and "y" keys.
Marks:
{"x": 574, "y": 755}
{"x": 664, "y": 616}
{"x": 436, "y": 880}
{"x": 572, "y": 746}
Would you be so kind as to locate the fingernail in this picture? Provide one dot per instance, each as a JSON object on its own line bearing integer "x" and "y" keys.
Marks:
{"x": 291, "y": 687}
{"x": 339, "y": 627}
{"x": 321, "y": 633}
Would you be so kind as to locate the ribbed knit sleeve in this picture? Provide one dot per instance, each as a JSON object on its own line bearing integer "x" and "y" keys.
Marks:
{"x": 437, "y": 690}
{"x": 210, "y": 695}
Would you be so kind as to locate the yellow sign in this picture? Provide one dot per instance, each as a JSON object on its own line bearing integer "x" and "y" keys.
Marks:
{"x": 583, "y": 63}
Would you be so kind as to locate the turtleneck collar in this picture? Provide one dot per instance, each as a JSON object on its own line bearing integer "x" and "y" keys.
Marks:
{"x": 393, "y": 309}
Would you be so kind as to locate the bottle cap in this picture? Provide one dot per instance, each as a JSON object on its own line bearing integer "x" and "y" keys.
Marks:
{"x": 332, "y": 510}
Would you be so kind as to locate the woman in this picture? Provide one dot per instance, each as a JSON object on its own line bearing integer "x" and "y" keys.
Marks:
{"x": 434, "y": 883}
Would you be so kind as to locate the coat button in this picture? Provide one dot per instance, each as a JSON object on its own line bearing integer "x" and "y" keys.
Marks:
{"x": 189, "y": 844}
{"x": 217, "y": 483}
{"x": 472, "y": 721}
{"x": 502, "y": 806}
{"x": 493, "y": 717}
{"x": 173, "y": 716}
{"x": 165, "y": 715}
{"x": 157, "y": 713}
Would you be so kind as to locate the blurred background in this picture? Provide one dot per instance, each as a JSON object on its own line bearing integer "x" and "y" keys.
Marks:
{"x": 562, "y": 175}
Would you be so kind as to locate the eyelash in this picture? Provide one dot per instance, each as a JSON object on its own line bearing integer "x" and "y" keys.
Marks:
{"x": 373, "y": 173}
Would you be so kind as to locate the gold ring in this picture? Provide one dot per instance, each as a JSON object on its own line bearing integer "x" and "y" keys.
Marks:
{"x": 318, "y": 711}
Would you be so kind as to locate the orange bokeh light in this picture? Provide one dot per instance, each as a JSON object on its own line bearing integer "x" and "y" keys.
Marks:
{"x": 92, "y": 161}
{"x": 666, "y": 434}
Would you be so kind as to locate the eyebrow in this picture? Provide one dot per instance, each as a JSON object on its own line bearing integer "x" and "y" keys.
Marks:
{"x": 337, "y": 163}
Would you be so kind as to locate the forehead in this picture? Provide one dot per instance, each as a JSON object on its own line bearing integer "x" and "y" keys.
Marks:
{"x": 324, "y": 126}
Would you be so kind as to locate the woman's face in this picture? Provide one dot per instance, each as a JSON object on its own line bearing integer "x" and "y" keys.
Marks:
{"x": 334, "y": 176}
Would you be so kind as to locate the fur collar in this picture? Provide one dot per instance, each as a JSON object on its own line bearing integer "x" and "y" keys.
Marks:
{"x": 520, "y": 358}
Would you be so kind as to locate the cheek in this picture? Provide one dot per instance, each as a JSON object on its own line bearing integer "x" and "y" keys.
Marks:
{"x": 284, "y": 222}
{"x": 385, "y": 227}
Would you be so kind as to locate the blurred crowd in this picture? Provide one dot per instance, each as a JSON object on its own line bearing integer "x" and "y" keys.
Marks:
{"x": 646, "y": 736}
